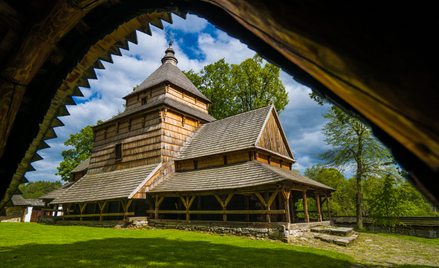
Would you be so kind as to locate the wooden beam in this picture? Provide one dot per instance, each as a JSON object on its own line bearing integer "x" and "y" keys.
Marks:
{"x": 286, "y": 194}
{"x": 158, "y": 201}
{"x": 292, "y": 204}
{"x": 328, "y": 207}
{"x": 319, "y": 213}
{"x": 305, "y": 206}
{"x": 98, "y": 215}
{"x": 101, "y": 208}
{"x": 281, "y": 211}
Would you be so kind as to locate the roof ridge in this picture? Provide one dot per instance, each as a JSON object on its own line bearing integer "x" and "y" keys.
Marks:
{"x": 228, "y": 117}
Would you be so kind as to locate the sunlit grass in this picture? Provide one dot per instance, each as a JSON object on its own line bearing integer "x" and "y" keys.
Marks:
{"x": 37, "y": 245}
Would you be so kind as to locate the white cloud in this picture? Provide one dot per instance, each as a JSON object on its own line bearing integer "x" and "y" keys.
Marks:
{"x": 192, "y": 24}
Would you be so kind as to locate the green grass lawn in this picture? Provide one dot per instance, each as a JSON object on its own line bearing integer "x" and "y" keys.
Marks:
{"x": 38, "y": 245}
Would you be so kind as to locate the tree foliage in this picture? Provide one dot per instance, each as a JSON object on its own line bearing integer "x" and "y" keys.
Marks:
{"x": 238, "y": 88}
{"x": 38, "y": 188}
{"x": 352, "y": 145}
{"x": 82, "y": 143}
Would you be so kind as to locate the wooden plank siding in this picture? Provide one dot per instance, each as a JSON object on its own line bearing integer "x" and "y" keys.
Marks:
{"x": 189, "y": 100}
{"x": 272, "y": 139}
{"x": 150, "y": 94}
{"x": 146, "y": 139}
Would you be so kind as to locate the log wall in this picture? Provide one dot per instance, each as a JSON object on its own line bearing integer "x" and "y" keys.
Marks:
{"x": 179, "y": 95}
{"x": 150, "y": 95}
{"x": 272, "y": 138}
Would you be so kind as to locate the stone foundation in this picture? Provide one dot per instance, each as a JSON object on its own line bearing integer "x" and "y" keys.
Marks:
{"x": 276, "y": 231}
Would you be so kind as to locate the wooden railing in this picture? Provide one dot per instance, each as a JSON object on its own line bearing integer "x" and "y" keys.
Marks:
{"x": 282, "y": 211}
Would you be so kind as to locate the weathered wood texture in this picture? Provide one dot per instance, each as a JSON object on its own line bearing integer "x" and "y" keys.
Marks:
{"x": 215, "y": 160}
{"x": 24, "y": 63}
{"x": 272, "y": 138}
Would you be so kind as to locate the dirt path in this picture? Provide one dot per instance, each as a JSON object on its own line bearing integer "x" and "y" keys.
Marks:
{"x": 381, "y": 250}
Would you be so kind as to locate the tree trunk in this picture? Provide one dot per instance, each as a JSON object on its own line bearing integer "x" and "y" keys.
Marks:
{"x": 359, "y": 192}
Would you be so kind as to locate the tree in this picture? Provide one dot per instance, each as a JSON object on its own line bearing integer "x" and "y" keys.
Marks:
{"x": 38, "y": 188}
{"x": 240, "y": 87}
{"x": 83, "y": 144}
{"x": 353, "y": 146}
{"x": 386, "y": 206}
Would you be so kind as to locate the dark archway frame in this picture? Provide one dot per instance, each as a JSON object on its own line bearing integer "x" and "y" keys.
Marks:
{"x": 395, "y": 55}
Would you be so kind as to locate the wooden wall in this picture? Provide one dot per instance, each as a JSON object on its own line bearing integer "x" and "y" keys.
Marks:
{"x": 272, "y": 138}
{"x": 141, "y": 144}
{"x": 275, "y": 161}
{"x": 215, "y": 160}
{"x": 141, "y": 194}
{"x": 189, "y": 100}
{"x": 170, "y": 92}
{"x": 150, "y": 95}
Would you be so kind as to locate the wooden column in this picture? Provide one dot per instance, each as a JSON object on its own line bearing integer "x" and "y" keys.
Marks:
{"x": 187, "y": 204}
{"x": 223, "y": 202}
{"x": 305, "y": 206}
{"x": 267, "y": 203}
{"x": 82, "y": 208}
{"x": 247, "y": 207}
{"x": 125, "y": 205}
{"x": 286, "y": 193}
{"x": 199, "y": 206}
{"x": 101, "y": 208}
{"x": 327, "y": 205}
{"x": 319, "y": 211}
{"x": 158, "y": 201}
{"x": 293, "y": 213}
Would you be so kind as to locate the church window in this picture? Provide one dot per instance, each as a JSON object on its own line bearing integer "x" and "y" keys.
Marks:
{"x": 280, "y": 163}
{"x": 195, "y": 164}
{"x": 250, "y": 155}
{"x": 225, "y": 159}
{"x": 269, "y": 159}
{"x": 119, "y": 151}
{"x": 144, "y": 101}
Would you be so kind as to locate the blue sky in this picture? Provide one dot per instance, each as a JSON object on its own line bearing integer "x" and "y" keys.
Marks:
{"x": 197, "y": 43}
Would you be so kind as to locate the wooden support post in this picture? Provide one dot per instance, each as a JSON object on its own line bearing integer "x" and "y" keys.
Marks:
{"x": 267, "y": 203}
{"x": 305, "y": 206}
{"x": 224, "y": 207}
{"x": 223, "y": 202}
{"x": 82, "y": 208}
{"x": 247, "y": 207}
{"x": 199, "y": 206}
{"x": 293, "y": 213}
{"x": 101, "y": 208}
{"x": 327, "y": 205}
{"x": 319, "y": 210}
{"x": 158, "y": 201}
{"x": 286, "y": 194}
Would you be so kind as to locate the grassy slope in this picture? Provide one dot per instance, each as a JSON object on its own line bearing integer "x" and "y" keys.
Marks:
{"x": 37, "y": 245}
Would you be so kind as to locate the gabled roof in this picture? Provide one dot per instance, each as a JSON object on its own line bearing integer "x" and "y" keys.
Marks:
{"x": 18, "y": 200}
{"x": 169, "y": 72}
{"x": 57, "y": 192}
{"x": 108, "y": 185}
{"x": 162, "y": 100}
{"x": 233, "y": 133}
{"x": 239, "y": 175}
{"x": 82, "y": 167}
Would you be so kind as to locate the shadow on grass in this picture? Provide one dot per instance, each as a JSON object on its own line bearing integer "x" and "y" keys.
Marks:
{"x": 162, "y": 252}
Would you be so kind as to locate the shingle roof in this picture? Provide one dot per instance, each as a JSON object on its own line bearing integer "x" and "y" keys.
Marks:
{"x": 107, "y": 185}
{"x": 169, "y": 102}
{"x": 239, "y": 175}
{"x": 57, "y": 192}
{"x": 169, "y": 72}
{"x": 18, "y": 200}
{"x": 233, "y": 133}
{"x": 83, "y": 166}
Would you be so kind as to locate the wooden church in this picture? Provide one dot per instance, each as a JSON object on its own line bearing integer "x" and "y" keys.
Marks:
{"x": 167, "y": 159}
